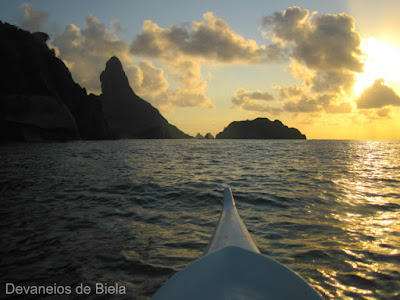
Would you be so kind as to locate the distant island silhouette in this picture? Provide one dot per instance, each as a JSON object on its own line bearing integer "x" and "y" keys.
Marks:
{"x": 208, "y": 136}
{"x": 40, "y": 101}
{"x": 260, "y": 128}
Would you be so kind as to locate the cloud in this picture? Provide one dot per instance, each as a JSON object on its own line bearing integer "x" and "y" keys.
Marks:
{"x": 327, "y": 42}
{"x": 85, "y": 51}
{"x": 30, "y": 18}
{"x": 289, "y": 26}
{"x": 341, "y": 108}
{"x": 293, "y": 91}
{"x": 146, "y": 79}
{"x": 328, "y": 45}
{"x": 293, "y": 99}
{"x": 116, "y": 27}
{"x": 305, "y": 104}
{"x": 377, "y": 96}
{"x": 324, "y": 54}
{"x": 242, "y": 95}
{"x": 192, "y": 89}
{"x": 180, "y": 97}
{"x": 383, "y": 112}
{"x": 332, "y": 81}
{"x": 296, "y": 99}
{"x": 152, "y": 83}
{"x": 189, "y": 75}
{"x": 211, "y": 40}
{"x": 254, "y": 101}
{"x": 377, "y": 114}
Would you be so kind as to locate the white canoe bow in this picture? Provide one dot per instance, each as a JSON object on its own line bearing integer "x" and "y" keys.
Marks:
{"x": 233, "y": 268}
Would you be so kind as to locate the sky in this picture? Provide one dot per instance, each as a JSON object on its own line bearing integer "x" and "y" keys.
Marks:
{"x": 328, "y": 68}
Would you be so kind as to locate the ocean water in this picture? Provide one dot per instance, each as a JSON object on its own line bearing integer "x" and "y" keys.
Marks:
{"x": 134, "y": 212}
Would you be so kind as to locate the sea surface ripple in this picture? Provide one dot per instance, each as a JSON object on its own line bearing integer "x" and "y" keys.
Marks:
{"x": 134, "y": 212}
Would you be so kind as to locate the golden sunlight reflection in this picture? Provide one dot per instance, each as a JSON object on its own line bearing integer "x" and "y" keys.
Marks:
{"x": 373, "y": 233}
{"x": 381, "y": 61}
{"x": 332, "y": 276}
{"x": 370, "y": 218}
{"x": 367, "y": 182}
{"x": 371, "y": 238}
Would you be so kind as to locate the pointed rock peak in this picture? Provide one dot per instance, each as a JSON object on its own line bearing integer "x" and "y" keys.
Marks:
{"x": 199, "y": 136}
{"x": 113, "y": 62}
{"x": 113, "y": 78}
{"x": 209, "y": 136}
{"x": 128, "y": 115}
{"x": 114, "y": 67}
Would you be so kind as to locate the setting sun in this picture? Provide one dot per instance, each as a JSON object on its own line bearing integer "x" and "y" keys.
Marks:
{"x": 381, "y": 61}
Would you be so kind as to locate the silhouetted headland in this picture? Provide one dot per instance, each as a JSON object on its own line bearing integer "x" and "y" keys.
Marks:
{"x": 260, "y": 128}
{"x": 128, "y": 115}
{"x": 39, "y": 100}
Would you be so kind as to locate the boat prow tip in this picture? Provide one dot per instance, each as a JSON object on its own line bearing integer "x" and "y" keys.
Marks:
{"x": 228, "y": 199}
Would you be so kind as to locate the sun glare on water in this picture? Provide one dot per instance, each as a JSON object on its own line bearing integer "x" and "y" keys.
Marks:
{"x": 381, "y": 61}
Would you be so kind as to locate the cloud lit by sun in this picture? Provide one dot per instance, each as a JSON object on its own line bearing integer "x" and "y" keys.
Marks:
{"x": 380, "y": 61}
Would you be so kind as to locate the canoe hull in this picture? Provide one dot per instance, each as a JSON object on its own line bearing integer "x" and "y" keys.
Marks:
{"x": 233, "y": 268}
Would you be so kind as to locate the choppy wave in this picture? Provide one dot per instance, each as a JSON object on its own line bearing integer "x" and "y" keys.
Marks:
{"x": 134, "y": 212}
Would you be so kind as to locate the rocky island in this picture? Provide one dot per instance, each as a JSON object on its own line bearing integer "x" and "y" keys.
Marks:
{"x": 199, "y": 136}
{"x": 260, "y": 128}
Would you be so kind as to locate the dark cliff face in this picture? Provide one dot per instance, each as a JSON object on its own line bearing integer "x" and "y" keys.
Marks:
{"x": 260, "y": 128}
{"x": 39, "y": 100}
{"x": 128, "y": 115}
{"x": 38, "y": 87}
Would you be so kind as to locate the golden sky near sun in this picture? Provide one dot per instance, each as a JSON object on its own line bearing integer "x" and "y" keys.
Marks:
{"x": 381, "y": 60}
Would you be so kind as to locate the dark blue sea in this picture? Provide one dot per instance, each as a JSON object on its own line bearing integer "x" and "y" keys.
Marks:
{"x": 133, "y": 212}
